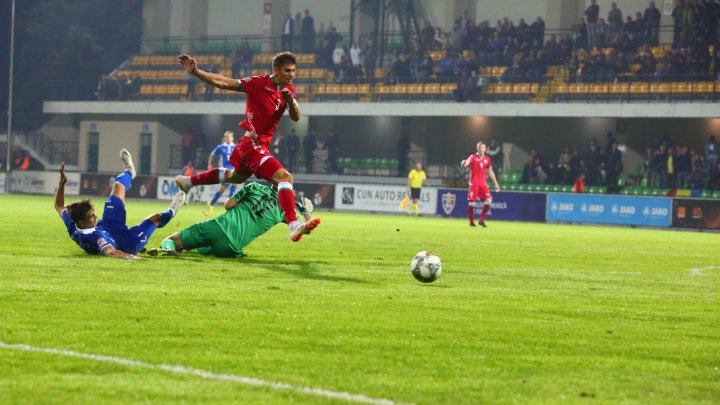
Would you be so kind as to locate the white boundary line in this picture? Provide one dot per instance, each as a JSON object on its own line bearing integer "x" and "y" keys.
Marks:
{"x": 209, "y": 375}
{"x": 698, "y": 271}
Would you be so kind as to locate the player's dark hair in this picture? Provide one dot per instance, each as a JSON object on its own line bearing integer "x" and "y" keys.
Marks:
{"x": 283, "y": 59}
{"x": 78, "y": 211}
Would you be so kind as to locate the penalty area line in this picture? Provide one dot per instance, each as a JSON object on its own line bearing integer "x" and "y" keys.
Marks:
{"x": 208, "y": 375}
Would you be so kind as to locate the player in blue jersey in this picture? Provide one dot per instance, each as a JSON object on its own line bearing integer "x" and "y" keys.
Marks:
{"x": 224, "y": 150}
{"x": 110, "y": 236}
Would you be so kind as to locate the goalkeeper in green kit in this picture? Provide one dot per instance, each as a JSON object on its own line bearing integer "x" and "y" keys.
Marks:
{"x": 251, "y": 212}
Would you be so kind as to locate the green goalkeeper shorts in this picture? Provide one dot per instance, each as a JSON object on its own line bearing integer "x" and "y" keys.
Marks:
{"x": 208, "y": 237}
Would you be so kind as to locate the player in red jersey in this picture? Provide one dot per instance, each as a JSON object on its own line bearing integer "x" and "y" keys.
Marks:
{"x": 478, "y": 189}
{"x": 268, "y": 97}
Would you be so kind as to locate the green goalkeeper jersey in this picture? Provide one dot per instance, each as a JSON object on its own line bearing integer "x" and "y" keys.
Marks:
{"x": 256, "y": 212}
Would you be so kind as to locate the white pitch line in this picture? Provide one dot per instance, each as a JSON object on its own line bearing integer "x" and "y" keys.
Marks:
{"x": 698, "y": 271}
{"x": 209, "y": 375}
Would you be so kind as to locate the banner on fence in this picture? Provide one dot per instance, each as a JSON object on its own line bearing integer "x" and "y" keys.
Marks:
{"x": 322, "y": 195}
{"x": 166, "y": 189}
{"x": 620, "y": 210}
{"x": 43, "y": 182}
{"x": 696, "y": 213}
{"x": 375, "y": 197}
{"x": 508, "y": 206}
{"x": 102, "y": 184}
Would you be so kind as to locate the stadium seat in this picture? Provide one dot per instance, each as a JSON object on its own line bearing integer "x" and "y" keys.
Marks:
{"x": 599, "y": 88}
{"x": 659, "y": 88}
{"x": 639, "y": 88}
{"x": 680, "y": 87}
{"x": 618, "y": 88}
{"x": 703, "y": 87}
{"x": 431, "y": 88}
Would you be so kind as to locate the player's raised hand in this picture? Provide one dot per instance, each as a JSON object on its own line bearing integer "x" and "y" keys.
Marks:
{"x": 63, "y": 178}
{"x": 286, "y": 95}
{"x": 189, "y": 63}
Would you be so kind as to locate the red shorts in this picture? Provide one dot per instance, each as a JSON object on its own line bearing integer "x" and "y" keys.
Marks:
{"x": 250, "y": 158}
{"x": 478, "y": 191}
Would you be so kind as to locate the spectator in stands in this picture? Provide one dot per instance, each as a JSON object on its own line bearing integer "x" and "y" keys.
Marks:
{"x": 279, "y": 148}
{"x": 659, "y": 167}
{"x": 592, "y": 158}
{"x": 591, "y": 16}
{"x": 130, "y": 88}
{"x": 356, "y": 57}
{"x": 332, "y": 146}
{"x": 247, "y": 59}
{"x": 400, "y": 72}
{"x": 427, "y": 36}
{"x": 713, "y": 182}
{"x": 528, "y": 171}
{"x": 369, "y": 57}
{"x": 309, "y": 144}
{"x": 237, "y": 59}
{"x": 191, "y": 82}
{"x": 613, "y": 167}
{"x": 496, "y": 155}
{"x": 614, "y": 20}
{"x": 106, "y": 89}
{"x": 345, "y": 71}
{"x": 22, "y": 160}
{"x": 292, "y": 144}
{"x": 554, "y": 172}
{"x": 403, "y": 147}
{"x": 332, "y": 38}
{"x": 711, "y": 152}
{"x": 602, "y": 34}
{"x": 579, "y": 185}
{"x": 308, "y": 32}
{"x": 678, "y": 16}
{"x": 337, "y": 57}
{"x": 188, "y": 169}
{"x": 683, "y": 166}
{"x": 425, "y": 68}
{"x": 297, "y": 34}
{"x": 651, "y": 20}
{"x": 288, "y": 31}
{"x": 670, "y": 171}
{"x": 210, "y": 89}
{"x": 186, "y": 143}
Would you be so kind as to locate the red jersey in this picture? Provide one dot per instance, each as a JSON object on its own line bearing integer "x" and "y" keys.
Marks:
{"x": 264, "y": 106}
{"x": 478, "y": 168}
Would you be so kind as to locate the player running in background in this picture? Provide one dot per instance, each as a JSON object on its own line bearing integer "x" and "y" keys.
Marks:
{"x": 224, "y": 150}
{"x": 268, "y": 97}
{"x": 416, "y": 179}
{"x": 480, "y": 165}
{"x": 110, "y": 236}
{"x": 251, "y": 212}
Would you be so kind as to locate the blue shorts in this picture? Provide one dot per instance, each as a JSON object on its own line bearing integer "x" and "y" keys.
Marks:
{"x": 129, "y": 240}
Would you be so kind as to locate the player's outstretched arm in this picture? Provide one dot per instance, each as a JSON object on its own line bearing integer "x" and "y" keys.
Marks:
{"x": 213, "y": 79}
{"x": 464, "y": 163}
{"x": 60, "y": 192}
{"x": 110, "y": 251}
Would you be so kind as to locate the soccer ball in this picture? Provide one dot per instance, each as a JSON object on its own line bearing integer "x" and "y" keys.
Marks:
{"x": 426, "y": 266}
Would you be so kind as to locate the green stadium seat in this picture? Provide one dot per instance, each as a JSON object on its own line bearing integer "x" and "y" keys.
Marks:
{"x": 716, "y": 194}
{"x": 602, "y": 190}
{"x": 567, "y": 189}
{"x": 706, "y": 194}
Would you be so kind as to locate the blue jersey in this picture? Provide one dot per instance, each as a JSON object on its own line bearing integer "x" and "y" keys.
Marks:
{"x": 110, "y": 230}
{"x": 224, "y": 151}
{"x": 91, "y": 240}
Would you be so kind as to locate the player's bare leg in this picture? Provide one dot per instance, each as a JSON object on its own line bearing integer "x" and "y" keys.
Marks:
{"x": 286, "y": 199}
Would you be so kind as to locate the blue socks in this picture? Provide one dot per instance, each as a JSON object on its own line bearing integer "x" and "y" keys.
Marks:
{"x": 125, "y": 178}
{"x": 215, "y": 198}
{"x": 165, "y": 217}
{"x": 217, "y": 195}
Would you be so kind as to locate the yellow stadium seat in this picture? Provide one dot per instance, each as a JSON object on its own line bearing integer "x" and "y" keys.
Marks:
{"x": 521, "y": 88}
{"x": 140, "y": 60}
{"x": 363, "y": 89}
{"x": 448, "y": 88}
{"x": 660, "y": 88}
{"x": 431, "y": 88}
{"x": 639, "y": 88}
{"x": 301, "y": 89}
{"x": 349, "y": 89}
{"x": 561, "y": 88}
{"x": 436, "y": 55}
{"x": 399, "y": 89}
{"x": 415, "y": 88}
{"x": 383, "y": 89}
{"x": 598, "y": 88}
{"x": 147, "y": 89}
{"x": 680, "y": 87}
{"x": 703, "y": 87}
{"x": 318, "y": 73}
{"x": 498, "y": 70}
{"x": 618, "y": 88}
{"x": 379, "y": 72}
{"x": 578, "y": 88}
{"x": 319, "y": 88}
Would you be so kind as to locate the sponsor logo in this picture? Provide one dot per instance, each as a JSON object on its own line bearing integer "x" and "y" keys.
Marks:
{"x": 499, "y": 205}
{"x": 681, "y": 212}
{"x": 448, "y": 202}
{"x": 348, "y": 195}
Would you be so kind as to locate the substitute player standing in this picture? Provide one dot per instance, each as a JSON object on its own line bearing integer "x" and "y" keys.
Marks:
{"x": 224, "y": 150}
{"x": 480, "y": 165}
{"x": 268, "y": 97}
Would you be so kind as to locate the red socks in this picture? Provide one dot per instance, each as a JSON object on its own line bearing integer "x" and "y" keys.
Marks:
{"x": 485, "y": 209}
{"x": 211, "y": 176}
{"x": 471, "y": 215}
{"x": 286, "y": 199}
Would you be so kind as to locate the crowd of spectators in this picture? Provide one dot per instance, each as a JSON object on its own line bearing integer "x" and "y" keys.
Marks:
{"x": 670, "y": 165}
{"x": 592, "y": 167}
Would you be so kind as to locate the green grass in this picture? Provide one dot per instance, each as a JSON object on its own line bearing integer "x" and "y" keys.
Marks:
{"x": 523, "y": 313}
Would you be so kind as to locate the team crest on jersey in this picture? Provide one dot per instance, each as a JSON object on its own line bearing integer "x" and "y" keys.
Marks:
{"x": 448, "y": 202}
{"x": 101, "y": 242}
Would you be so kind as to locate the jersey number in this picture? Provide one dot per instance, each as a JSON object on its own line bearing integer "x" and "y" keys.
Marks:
{"x": 277, "y": 104}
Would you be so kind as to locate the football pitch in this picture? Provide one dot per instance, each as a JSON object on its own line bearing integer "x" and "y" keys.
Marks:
{"x": 523, "y": 313}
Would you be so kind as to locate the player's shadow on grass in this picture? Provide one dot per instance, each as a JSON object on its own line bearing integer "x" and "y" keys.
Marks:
{"x": 303, "y": 269}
